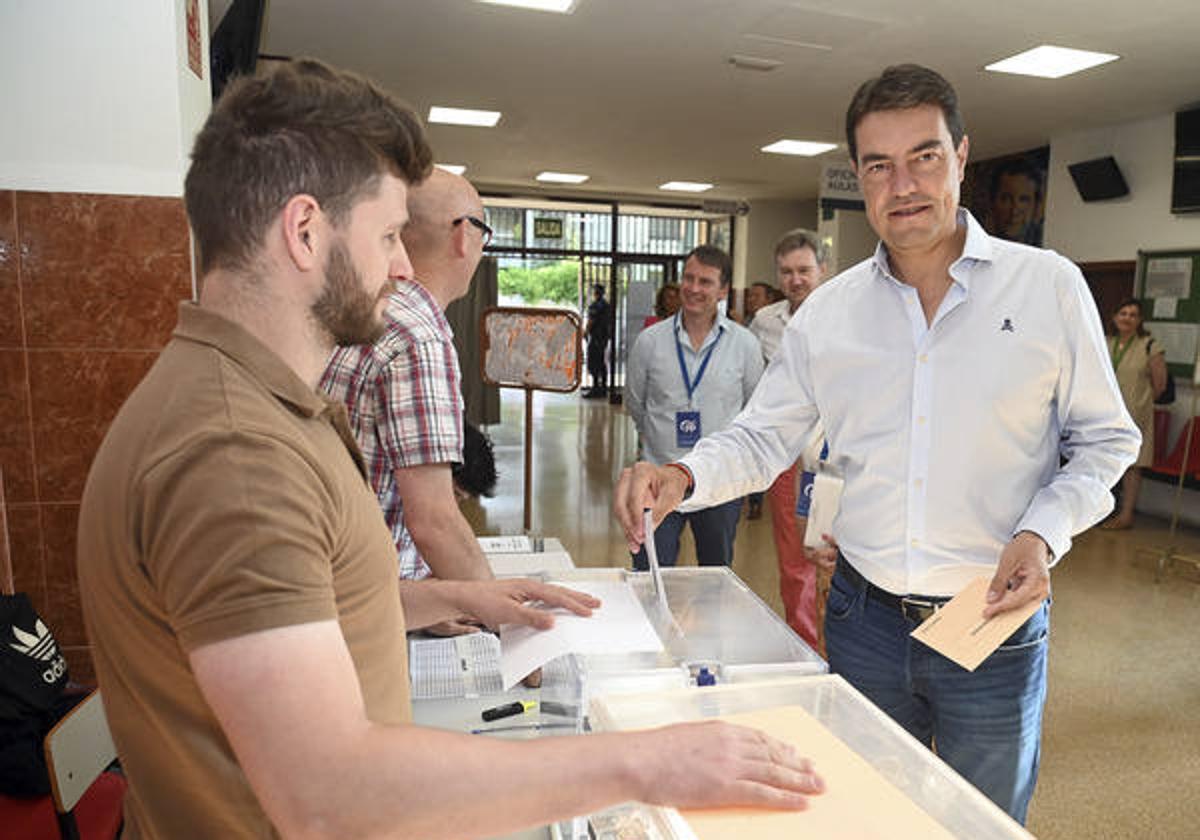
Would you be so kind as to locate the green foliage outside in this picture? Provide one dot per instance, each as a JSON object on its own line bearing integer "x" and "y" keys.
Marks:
{"x": 554, "y": 283}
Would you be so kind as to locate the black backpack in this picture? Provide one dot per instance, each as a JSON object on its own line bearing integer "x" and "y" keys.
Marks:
{"x": 1168, "y": 395}
{"x": 33, "y": 697}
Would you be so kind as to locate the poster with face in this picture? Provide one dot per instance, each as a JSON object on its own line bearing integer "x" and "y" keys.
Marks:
{"x": 1008, "y": 194}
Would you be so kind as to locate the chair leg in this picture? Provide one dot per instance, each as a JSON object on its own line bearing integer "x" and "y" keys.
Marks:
{"x": 68, "y": 829}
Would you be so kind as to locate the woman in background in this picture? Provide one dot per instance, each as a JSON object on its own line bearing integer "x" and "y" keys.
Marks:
{"x": 1142, "y": 375}
{"x": 666, "y": 304}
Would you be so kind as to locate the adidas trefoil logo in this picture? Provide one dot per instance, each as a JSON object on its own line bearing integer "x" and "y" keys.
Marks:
{"x": 39, "y": 645}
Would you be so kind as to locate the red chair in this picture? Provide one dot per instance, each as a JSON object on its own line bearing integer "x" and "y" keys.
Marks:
{"x": 1174, "y": 464}
{"x": 85, "y": 801}
{"x": 1162, "y": 433}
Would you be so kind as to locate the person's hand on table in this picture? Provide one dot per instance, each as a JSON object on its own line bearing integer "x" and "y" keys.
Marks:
{"x": 642, "y": 486}
{"x": 460, "y": 626}
{"x": 512, "y": 601}
{"x": 715, "y": 764}
{"x": 1022, "y": 575}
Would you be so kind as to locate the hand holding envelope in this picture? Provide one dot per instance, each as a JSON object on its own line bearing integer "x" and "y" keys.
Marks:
{"x": 959, "y": 631}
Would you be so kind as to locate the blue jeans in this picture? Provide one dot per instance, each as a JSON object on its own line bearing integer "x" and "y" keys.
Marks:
{"x": 986, "y": 724}
{"x": 712, "y": 528}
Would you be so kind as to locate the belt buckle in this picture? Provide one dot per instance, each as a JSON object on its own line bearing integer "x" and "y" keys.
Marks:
{"x": 921, "y": 609}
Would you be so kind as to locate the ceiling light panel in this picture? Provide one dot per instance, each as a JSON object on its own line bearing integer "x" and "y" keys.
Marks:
{"x": 563, "y": 7}
{"x": 1050, "y": 62}
{"x": 561, "y": 177}
{"x": 685, "y": 186}
{"x": 463, "y": 116}
{"x": 804, "y": 148}
{"x": 452, "y": 168}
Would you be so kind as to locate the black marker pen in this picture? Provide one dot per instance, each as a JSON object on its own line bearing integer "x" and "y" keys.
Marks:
{"x": 518, "y": 707}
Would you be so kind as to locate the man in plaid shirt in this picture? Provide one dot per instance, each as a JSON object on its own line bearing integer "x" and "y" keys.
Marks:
{"x": 404, "y": 394}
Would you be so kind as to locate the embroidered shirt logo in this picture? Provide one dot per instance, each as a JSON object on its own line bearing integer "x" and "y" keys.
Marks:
{"x": 1007, "y": 326}
{"x": 38, "y": 645}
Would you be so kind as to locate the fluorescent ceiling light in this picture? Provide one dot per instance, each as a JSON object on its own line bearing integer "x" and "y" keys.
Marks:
{"x": 561, "y": 177}
{"x": 685, "y": 186}
{"x": 452, "y": 168}
{"x": 564, "y": 7}
{"x": 1050, "y": 62}
{"x": 804, "y": 148}
{"x": 463, "y": 116}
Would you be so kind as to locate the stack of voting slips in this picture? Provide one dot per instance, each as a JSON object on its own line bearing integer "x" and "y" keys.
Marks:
{"x": 460, "y": 666}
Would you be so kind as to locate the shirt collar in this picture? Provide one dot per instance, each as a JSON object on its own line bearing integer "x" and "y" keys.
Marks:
{"x": 718, "y": 326}
{"x": 233, "y": 340}
{"x": 976, "y": 248}
{"x": 407, "y": 289}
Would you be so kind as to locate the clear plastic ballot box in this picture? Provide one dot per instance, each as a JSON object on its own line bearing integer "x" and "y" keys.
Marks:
{"x": 713, "y": 621}
{"x": 920, "y": 776}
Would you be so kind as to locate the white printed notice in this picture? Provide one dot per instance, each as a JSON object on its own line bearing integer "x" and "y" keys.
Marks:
{"x": 505, "y": 545}
{"x": 1168, "y": 278}
{"x": 619, "y": 625}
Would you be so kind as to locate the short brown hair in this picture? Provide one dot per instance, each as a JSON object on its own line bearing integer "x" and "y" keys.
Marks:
{"x": 904, "y": 86}
{"x": 713, "y": 257}
{"x": 302, "y": 127}
{"x": 798, "y": 238}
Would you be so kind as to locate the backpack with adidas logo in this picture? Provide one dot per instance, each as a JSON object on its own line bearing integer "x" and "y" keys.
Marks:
{"x": 33, "y": 677}
{"x": 33, "y": 672}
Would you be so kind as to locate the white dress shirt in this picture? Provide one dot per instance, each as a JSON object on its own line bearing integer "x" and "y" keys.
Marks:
{"x": 948, "y": 435}
{"x": 768, "y": 325}
{"x": 654, "y": 388}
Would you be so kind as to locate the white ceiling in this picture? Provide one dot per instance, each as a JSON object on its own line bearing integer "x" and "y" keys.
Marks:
{"x": 639, "y": 92}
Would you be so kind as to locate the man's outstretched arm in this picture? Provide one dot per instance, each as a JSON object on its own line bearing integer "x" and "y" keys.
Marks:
{"x": 288, "y": 700}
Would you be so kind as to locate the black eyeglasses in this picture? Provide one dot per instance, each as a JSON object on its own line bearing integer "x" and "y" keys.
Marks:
{"x": 483, "y": 226}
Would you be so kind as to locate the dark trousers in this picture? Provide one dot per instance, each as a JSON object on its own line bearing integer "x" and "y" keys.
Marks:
{"x": 986, "y": 724}
{"x": 596, "y": 364}
{"x": 712, "y": 528}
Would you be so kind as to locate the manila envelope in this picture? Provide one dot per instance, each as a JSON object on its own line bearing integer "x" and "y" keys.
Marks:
{"x": 858, "y": 803}
{"x": 959, "y": 631}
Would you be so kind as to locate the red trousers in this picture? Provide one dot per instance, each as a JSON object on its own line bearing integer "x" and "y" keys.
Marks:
{"x": 797, "y": 576}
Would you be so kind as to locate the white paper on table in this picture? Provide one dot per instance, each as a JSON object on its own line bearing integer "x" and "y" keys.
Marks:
{"x": 618, "y": 625}
{"x": 660, "y": 591}
{"x": 516, "y": 544}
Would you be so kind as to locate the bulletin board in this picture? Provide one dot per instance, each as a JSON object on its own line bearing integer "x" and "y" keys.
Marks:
{"x": 531, "y": 348}
{"x": 1168, "y": 285}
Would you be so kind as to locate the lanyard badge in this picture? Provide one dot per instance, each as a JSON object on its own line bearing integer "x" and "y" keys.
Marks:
{"x": 687, "y": 423}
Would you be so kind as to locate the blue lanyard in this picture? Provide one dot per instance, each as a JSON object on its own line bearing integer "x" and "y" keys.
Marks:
{"x": 692, "y": 385}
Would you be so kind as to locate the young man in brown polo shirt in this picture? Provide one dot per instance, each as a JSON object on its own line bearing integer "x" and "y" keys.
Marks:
{"x": 238, "y": 579}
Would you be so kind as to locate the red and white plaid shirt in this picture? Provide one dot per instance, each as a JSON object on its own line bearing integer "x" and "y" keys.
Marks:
{"x": 404, "y": 396}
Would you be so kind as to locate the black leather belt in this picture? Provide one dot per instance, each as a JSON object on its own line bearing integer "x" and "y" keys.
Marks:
{"x": 913, "y": 607}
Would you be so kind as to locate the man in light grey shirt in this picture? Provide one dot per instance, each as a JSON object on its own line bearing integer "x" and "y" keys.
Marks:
{"x": 688, "y": 377}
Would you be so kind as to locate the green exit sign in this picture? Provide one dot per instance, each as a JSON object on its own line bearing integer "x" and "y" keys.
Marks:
{"x": 547, "y": 228}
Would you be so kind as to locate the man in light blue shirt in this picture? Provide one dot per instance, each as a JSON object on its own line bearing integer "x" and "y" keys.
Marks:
{"x": 969, "y": 402}
{"x": 687, "y": 377}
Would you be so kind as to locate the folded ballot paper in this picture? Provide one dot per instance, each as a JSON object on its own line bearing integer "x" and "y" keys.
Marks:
{"x": 619, "y": 625}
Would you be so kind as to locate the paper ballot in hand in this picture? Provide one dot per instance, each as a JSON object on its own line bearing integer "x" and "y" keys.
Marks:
{"x": 660, "y": 591}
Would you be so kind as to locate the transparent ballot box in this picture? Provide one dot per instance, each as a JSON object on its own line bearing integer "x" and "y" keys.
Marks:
{"x": 921, "y": 778}
{"x": 713, "y": 621}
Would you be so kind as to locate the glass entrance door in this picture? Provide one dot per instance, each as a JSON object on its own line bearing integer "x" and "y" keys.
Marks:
{"x": 637, "y": 284}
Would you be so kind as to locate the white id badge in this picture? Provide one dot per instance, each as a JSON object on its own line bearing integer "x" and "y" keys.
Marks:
{"x": 823, "y": 507}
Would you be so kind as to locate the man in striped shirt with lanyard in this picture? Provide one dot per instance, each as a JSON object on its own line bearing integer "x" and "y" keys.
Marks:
{"x": 689, "y": 376}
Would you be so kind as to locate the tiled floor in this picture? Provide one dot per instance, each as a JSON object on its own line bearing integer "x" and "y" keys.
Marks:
{"x": 1121, "y": 751}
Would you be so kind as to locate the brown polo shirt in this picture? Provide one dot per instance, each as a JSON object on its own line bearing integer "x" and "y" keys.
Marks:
{"x": 228, "y": 497}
